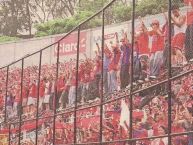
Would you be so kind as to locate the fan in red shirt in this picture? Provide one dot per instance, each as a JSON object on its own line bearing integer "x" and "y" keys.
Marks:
{"x": 32, "y": 98}
{"x": 41, "y": 93}
{"x": 179, "y": 35}
{"x": 142, "y": 39}
{"x": 113, "y": 66}
{"x": 156, "y": 59}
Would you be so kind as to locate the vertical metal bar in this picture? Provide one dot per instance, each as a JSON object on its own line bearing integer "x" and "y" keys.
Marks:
{"x": 77, "y": 79}
{"x": 56, "y": 91}
{"x": 37, "y": 107}
{"x": 9, "y": 134}
{"x": 169, "y": 74}
{"x": 6, "y": 91}
{"x": 131, "y": 71}
{"x": 102, "y": 73}
{"x": 21, "y": 96}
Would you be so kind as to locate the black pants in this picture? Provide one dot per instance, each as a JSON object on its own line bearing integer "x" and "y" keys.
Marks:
{"x": 124, "y": 75}
{"x": 64, "y": 98}
{"x": 136, "y": 68}
{"x": 51, "y": 101}
{"x": 189, "y": 42}
{"x": 58, "y": 99}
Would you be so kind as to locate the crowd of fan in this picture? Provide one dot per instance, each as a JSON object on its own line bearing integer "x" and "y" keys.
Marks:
{"x": 150, "y": 108}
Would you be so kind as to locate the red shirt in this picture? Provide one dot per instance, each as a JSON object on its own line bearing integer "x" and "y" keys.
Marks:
{"x": 190, "y": 12}
{"x": 41, "y": 89}
{"x": 98, "y": 66}
{"x": 17, "y": 96}
{"x": 60, "y": 84}
{"x": 143, "y": 43}
{"x": 115, "y": 60}
{"x": 1, "y": 100}
{"x": 73, "y": 79}
{"x": 188, "y": 1}
{"x": 24, "y": 92}
{"x": 157, "y": 42}
{"x": 33, "y": 91}
{"x": 190, "y": 18}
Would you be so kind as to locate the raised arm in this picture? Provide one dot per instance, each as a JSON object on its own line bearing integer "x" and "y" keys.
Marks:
{"x": 98, "y": 48}
{"x": 142, "y": 24}
{"x": 117, "y": 39}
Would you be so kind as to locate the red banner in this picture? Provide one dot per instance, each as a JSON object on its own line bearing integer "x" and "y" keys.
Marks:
{"x": 68, "y": 46}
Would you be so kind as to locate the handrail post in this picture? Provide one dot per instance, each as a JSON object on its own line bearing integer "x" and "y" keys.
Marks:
{"x": 169, "y": 74}
{"x": 56, "y": 91}
{"x": 131, "y": 73}
{"x": 21, "y": 98}
{"x": 77, "y": 83}
{"x": 102, "y": 77}
{"x": 37, "y": 106}
{"x": 6, "y": 92}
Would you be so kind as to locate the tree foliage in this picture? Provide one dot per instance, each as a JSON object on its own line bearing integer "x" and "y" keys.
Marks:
{"x": 50, "y": 17}
{"x": 64, "y": 25}
{"x": 14, "y": 18}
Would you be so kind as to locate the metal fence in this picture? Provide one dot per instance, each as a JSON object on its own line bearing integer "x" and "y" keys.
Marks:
{"x": 40, "y": 108}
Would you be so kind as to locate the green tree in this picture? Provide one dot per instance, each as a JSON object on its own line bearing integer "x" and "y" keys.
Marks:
{"x": 64, "y": 25}
{"x": 14, "y": 17}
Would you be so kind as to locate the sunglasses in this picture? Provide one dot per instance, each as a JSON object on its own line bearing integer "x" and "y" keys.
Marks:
{"x": 155, "y": 24}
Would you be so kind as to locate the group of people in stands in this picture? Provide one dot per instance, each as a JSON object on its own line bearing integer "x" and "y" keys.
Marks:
{"x": 150, "y": 61}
